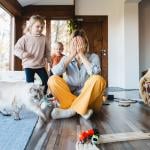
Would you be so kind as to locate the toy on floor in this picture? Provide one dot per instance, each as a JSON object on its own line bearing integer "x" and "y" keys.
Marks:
{"x": 91, "y": 135}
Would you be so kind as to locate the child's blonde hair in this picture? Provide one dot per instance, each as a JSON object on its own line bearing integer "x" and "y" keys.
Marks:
{"x": 57, "y": 45}
{"x": 32, "y": 20}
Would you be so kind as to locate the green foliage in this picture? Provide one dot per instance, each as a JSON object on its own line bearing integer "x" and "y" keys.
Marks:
{"x": 72, "y": 25}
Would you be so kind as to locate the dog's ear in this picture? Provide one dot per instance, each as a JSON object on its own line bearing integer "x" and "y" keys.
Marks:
{"x": 32, "y": 88}
{"x": 42, "y": 87}
{"x": 35, "y": 87}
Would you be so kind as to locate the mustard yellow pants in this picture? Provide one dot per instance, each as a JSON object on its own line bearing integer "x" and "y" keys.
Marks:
{"x": 89, "y": 98}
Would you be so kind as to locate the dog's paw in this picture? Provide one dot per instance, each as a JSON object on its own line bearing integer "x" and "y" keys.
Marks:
{"x": 43, "y": 120}
{"x": 17, "y": 118}
{"x": 5, "y": 114}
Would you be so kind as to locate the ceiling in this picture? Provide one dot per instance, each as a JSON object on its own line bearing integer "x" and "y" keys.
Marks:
{"x": 45, "y": 2}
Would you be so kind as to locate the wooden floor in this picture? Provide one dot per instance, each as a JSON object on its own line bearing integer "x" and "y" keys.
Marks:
{"x": 62, "y": 134}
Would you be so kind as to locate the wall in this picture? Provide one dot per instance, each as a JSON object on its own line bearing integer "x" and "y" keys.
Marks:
{"x": 131, "y": 30}
{"x": 117, "y": 69}
{"x": 144, "y": 12}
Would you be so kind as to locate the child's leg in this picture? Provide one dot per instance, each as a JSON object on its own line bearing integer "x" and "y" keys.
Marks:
{"x": 29, "y": 74}
{"x": 44, "y": 77}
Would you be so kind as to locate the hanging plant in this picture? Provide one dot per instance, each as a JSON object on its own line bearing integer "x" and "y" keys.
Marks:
{"x": 72, "y": 25}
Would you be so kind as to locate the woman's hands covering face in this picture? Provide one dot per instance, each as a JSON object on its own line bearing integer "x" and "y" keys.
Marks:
{"x": 78, "y": 45}
{"x": 73, "y": 50}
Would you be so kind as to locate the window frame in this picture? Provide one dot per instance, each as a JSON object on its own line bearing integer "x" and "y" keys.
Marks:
{"x": 12, "y": 38}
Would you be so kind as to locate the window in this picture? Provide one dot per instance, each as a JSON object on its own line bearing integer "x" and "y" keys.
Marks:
{"x": 59, "y": 32}
{"x": 6, "y": 40}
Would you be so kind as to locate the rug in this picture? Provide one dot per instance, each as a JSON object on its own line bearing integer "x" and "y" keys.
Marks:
{"x": 14, "y": 135}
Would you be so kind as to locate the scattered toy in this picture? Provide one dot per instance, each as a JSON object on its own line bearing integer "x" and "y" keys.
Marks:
{"x": 91, "y": 135}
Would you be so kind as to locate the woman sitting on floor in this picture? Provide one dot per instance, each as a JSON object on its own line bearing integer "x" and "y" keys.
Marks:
{"x": 81, "y": 88}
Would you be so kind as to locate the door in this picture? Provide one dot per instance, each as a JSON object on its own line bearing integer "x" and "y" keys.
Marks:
{"x": 96, "y": 28}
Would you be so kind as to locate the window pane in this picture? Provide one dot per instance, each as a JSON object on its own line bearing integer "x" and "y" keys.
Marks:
{"x": 5, "y": 39}
{"x": 59, "y": 33}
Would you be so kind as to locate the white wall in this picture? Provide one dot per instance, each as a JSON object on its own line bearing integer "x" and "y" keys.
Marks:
{"x": 131, "y": 40}
{"x": 117, "y": 69}
{"x": 144, "y": 17}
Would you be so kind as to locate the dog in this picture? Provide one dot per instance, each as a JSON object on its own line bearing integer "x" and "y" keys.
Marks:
{"x": 145, "y": 88}
{"x": 15, "y": 95}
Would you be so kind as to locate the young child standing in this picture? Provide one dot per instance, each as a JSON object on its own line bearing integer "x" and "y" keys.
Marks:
{"x": 56, "y": 56}
{"x": 57, "y": 53}
{"x": 32, "y": 48}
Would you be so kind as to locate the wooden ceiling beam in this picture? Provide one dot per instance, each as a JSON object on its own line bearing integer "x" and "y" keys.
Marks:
{"x": 12, "y": 6}
{"x": 53, "y": 11}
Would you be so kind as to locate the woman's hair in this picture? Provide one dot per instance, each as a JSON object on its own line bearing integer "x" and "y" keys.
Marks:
{"x": 82, "y": 33}
{"x": 32, "y": 20}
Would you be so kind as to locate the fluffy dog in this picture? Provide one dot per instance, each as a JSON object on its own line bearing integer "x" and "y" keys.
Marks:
{"x": 145, "y": 88}
{"x": 14, "y": 95}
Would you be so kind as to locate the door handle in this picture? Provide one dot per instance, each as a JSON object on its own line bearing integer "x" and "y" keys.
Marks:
{"x": 104, "y": 52}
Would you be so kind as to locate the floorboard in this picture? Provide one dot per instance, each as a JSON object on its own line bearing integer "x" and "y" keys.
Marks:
{"x": 62, "y": 134}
